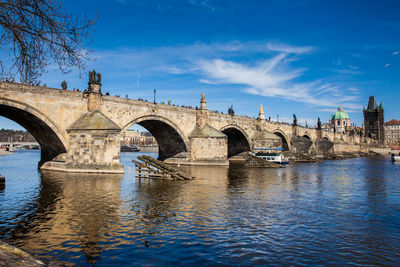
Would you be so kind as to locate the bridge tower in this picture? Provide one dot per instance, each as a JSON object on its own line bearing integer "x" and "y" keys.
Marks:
{"x": 374, "y": 121}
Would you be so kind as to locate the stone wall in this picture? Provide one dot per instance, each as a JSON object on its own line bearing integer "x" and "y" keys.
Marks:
{"x": 208, "y": 149}
{"x": 323, "y": 146}
{"x": 172, "y": 125}
{"x": 94, "y": 149}
{"x": 343, "y": 148}
{"x": 301, "y": 144}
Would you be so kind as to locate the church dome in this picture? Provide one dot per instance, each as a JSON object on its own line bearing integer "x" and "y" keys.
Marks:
{"x": 340, "y": 114}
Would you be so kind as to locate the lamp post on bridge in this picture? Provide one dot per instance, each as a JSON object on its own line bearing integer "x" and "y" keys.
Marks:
{"x": 154, "y": 96}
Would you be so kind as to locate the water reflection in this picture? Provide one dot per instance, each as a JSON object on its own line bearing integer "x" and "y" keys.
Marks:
{"x": 154, "y": 204}
{"x": 34, "y": 213}
{"x": 81, "y": 205}
{"x": 335, "y": 212}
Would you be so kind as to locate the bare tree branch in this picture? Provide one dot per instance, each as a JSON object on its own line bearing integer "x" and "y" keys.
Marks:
{"x": 35, "y": 33}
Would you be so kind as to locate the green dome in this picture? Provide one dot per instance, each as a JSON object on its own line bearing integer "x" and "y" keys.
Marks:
{"x": 340, "y": 114}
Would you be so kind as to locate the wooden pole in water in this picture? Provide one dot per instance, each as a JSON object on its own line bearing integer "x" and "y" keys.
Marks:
{"x": 2, "y": 182}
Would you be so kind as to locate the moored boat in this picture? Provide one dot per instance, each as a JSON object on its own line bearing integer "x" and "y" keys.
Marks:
{"x": 395, "y": 155}
{"x": 125, "y": 148}
{"x": 271, "y": 154}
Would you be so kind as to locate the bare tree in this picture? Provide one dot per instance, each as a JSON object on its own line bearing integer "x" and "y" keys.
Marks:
{"x": 36, "y": 33}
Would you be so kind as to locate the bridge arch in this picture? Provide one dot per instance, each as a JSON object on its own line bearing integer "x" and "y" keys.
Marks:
{"x": 171, "y": 141}
{"x": 282, "y": 135}
{"x": 307, "y": 136}
{"x": 238, "y": 140}
{"x": 51, "y": 139}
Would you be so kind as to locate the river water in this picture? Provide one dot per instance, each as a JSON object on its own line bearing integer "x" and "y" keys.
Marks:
{"x": 332, "y": 213}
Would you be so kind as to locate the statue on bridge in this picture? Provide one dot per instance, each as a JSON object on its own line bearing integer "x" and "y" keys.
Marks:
{"x": 203, "y": 101}
{"x": 261, "y": 113}
{"x": 319, "y": 124}
{"x": 64, "y": 85}
{"x": 94, "y": 82}
{"x": 94, "y": 77}
{"x": 231, "y": 111}
{"x": 294, "y": 120}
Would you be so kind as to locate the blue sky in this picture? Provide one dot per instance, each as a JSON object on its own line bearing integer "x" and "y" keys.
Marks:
{"x": 302, "y": 57}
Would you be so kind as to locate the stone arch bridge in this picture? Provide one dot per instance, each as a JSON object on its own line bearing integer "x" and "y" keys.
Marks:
{"x": 80, "y": 131}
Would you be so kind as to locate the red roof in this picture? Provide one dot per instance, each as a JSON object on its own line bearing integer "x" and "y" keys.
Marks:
{"x": 392, "y": 122}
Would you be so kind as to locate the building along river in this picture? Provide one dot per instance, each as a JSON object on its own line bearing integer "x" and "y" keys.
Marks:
{"x": 338, "y": 212}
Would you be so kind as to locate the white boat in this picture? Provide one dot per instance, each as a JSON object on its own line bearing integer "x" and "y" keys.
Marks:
{"x": 271, "y": 154}
{"x": 395, "y": 153}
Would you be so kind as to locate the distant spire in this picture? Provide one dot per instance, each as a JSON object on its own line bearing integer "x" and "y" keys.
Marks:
{"x": 372, "y": 103}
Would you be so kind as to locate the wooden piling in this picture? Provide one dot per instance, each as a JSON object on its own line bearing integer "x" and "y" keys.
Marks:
{"x": 2, "y": 182}
{"x": 152, "y": 168}
{"x": 253, "y": 161}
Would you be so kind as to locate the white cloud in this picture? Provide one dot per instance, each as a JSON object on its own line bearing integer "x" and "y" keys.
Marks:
{"x": 353, "y": 67}
{"x": 343, "y": 67}
{"x": 395, "y": 53}
{"x": 346, "y": 108}
{"x": 261, "y": 76}
{"x": 180, "y": 6}
{"x": 347, "y": 71}
{"x": 354, "y": 90}
{"x": 173, "y": 70}
{"x": 277, "y": 47}
{"x": 331, "y": 110}
{"x": 387, "y": 65}
{"x": 272, "y": 78}
{"x": 207, "y": 81}
{"x": 272, "y": 75}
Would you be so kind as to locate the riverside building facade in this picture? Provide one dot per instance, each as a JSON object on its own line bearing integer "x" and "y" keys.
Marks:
{"x": 392, "y": 132}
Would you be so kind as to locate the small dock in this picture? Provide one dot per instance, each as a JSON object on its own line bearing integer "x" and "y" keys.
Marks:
{"x": 149, "y": 167}
{"x": 253, "y": 161}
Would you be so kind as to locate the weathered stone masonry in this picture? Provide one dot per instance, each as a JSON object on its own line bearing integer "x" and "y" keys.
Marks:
{"x": 80, "y": 131}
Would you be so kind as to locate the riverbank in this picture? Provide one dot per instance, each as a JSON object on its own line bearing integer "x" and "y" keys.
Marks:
{"x": 12, "y": 256}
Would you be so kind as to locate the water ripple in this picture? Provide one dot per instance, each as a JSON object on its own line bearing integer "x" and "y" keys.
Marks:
{"x": 306, "y": 214}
